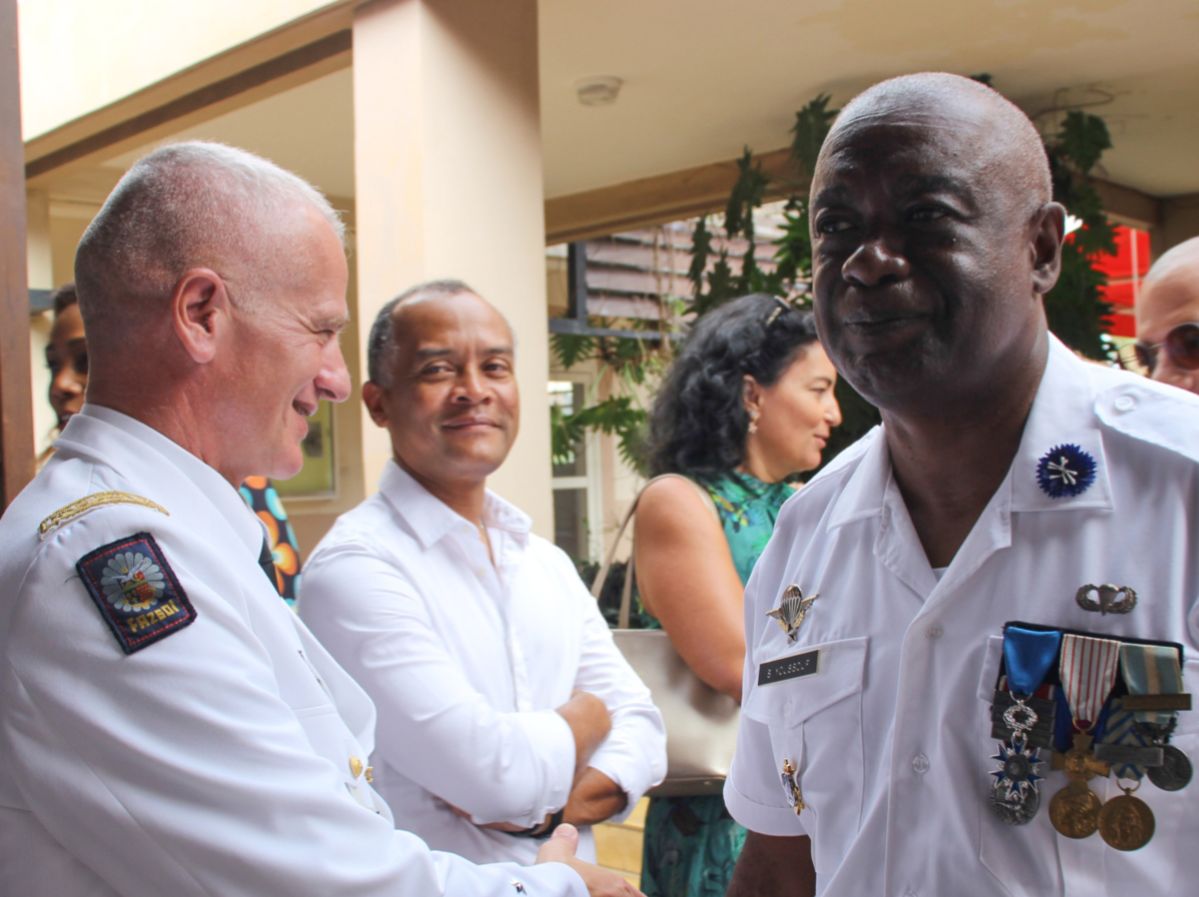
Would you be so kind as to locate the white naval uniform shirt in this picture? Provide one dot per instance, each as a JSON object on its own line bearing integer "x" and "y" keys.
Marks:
{"x": 216, "y": 761}
{"x": 891, "y": 735}
{"x": 466, "y": 662}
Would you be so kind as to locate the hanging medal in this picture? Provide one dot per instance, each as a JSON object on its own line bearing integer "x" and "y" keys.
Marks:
{"x": 1175, "y": 771}
{"x": 1028, "y": 655}
{"x": 1153, "y": 676}
{"x": 790, "y": 782}
{"x": 1088, "y": 673}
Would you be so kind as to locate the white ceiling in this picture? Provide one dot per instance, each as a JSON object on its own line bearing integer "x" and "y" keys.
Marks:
{"x": 703, "y": 78}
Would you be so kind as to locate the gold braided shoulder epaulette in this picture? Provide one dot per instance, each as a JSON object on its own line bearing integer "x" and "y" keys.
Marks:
{"x": 95, "y": 500}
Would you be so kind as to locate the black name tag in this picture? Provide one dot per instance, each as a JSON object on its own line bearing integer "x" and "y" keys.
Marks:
{"x": 788, "y": 667}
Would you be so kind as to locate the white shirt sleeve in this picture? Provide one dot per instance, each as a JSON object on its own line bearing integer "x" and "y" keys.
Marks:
{"x": 180, "y": 769}
{"x": 498, "y": 766}
{"x": 634, "y": 753}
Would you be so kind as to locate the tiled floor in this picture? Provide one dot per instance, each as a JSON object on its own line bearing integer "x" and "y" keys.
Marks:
{"x": 618, "y": 845}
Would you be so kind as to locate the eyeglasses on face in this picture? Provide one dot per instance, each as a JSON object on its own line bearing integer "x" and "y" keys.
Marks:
{"x": 1181, "y": 346}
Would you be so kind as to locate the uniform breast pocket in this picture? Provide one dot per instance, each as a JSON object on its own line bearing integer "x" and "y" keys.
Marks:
{"x": 815, "y": 721}
{"x": 1033, "y": 860}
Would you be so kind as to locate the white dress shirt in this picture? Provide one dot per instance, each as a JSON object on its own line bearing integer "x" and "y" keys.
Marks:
{"x": 891, "y": 734}
{"x": 466, "y": 662}
{"x": 228, "y": 757}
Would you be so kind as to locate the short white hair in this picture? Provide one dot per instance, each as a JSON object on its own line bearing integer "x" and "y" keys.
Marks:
{"x": 185, "y": 205}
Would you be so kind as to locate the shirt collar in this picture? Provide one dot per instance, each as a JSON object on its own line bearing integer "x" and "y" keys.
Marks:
{"x": 1061, "y": 414}
{"x": 429, "y": 519}
{"x": 97, "y": 423}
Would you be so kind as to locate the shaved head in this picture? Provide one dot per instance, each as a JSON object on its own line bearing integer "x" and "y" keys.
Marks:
{"x": 1169, "y": 299}
{"x": 935, "y": 96}
{"x": 1181, "y": 260}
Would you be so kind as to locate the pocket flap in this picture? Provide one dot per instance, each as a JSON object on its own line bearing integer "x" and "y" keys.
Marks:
{"x": 988, "y": 675}
{"x": 803, "y": 682}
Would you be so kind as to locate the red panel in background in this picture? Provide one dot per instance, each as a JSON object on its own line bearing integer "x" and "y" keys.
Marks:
{"x": 1119, "y": 294}
{"x": 1131, "y": 258}
{"x": 1125, "y": 268}
{"x": 1122, "y": 325}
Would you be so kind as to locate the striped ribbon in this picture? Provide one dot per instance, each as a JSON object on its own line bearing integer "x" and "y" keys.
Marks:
{"x": 1088, "y": 672}
{"x": 1147, "y": 670}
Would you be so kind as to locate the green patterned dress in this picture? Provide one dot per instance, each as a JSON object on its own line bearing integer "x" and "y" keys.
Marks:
{"x": 691, "y": 843}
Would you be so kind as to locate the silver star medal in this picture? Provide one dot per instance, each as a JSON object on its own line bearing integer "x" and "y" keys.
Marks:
{"x": 792, "y": 609}
{"x": 1015, "y": 795}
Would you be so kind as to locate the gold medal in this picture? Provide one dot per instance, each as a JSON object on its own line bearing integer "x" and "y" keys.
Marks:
{"x": 1074, "y": 811}
{"x": 1126, "y": 822}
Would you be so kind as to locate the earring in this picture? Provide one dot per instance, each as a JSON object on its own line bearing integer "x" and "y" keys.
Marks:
{"x": 753, "y": 421}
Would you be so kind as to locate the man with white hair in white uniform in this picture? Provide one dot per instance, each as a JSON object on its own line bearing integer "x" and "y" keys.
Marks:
{"x": 168, "y": 726}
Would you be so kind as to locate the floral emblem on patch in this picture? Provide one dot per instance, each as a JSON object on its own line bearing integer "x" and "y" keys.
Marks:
{"x": 131, "y": 581}
{"x": 1065, "y": 471}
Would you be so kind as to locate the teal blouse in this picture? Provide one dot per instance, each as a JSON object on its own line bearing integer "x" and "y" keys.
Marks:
{"x": 748, "y": 509}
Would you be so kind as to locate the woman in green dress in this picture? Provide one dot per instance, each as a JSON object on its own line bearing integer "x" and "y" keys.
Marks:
{"x": 747, "y": 403}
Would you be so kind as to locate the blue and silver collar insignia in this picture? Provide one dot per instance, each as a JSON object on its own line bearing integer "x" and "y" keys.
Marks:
{"x": 1065, "y": 471}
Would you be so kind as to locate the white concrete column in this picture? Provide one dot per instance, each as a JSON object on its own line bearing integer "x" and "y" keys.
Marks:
{"x": 448, "y": 179}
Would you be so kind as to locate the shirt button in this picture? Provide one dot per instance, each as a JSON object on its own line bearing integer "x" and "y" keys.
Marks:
{"x": 920, "y": 764}
{"x": 1124, "y": 403}
{"x": 934, "y": 631}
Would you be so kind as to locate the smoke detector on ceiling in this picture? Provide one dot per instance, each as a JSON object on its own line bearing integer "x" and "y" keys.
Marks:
{"x": 601, "y": 90}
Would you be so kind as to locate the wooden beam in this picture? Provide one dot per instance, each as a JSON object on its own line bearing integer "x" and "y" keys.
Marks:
{"x": 327, "y": 54}
{"x": 667, "y": 197}
{"x": 1129, "y": 206}
{"x": 312, "y": 29}
{"x": 16, "y": 408}
{"x": 705, "y": 188}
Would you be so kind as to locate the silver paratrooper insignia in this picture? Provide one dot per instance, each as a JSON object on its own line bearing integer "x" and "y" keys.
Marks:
{"x": 792, "y": 609}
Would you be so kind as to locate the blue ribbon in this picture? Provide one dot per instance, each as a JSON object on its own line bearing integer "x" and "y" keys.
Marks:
{"x": 1027, "y": 656}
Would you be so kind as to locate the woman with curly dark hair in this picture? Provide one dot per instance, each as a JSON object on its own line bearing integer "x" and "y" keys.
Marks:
{"x": 747, "y": 403}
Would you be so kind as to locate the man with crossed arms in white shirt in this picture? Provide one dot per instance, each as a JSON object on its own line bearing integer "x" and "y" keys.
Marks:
{"x": 504, "y": 706}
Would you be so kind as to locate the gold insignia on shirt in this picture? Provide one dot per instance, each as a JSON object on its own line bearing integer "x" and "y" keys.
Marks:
{"x": 81, "y": 506}
{"x": 792, "y": 609}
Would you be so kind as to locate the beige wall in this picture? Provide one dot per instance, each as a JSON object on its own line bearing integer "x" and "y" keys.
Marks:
{"x": 63, "y": 41}
{"x": 449, "y": 173}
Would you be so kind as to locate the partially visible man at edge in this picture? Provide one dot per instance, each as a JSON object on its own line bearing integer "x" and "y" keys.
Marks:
{"x": 1007, "y": 475}
{"x": 504, "y": 705}
{"x": 1167, "y": 312}
{"x": 168, "y": 725}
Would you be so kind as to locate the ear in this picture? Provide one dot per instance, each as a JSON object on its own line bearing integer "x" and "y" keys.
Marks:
{"x": 751, "y": 393}
{"x": 200, "y": 312}
{"x": 1047, "y": 231}
{"x": 372, "y": 397}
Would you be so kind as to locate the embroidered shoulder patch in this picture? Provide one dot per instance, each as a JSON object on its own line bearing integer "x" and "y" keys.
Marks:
{"x": 136, "y": 591}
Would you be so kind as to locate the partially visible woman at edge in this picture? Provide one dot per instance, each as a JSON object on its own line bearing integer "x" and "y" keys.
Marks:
{"x": 66, "y": 358}
{"x": 747, "y": 403}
